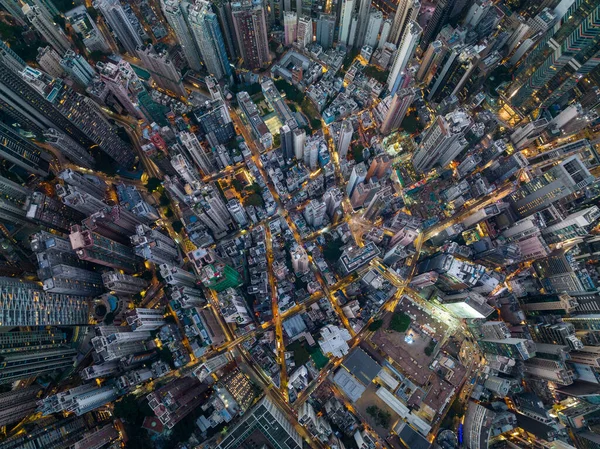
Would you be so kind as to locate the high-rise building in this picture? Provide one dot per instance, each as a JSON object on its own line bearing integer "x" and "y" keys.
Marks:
{"x": 23, "y": 365}
{"x": 558, "y": 57}
{"x": 68, "y": 147}
{"x": 394, "y": 108}
{"x": 86, "y": 27}
{"x": 430, "y": 61}
{"x": 358, "y": 175}
{"x": 86, "y": 183}
{"x": 96, "y": 248}
{"x": 326, "y": 30}
{"x": 345, "y": 22}
{"x": 26, "y": 304}
{"x": 203, "y": 157}
{"x": 380, "y": 166}
{"x": 403, "y": 55}
{"x": 47, "y": 29}
{"x": 120, "y": 344}
{"x": 406, "y": 11}
{"x": 78, "y": 69}
{"x": 146, "y": 320}
{"x": 287, "y": 142}
{"x": 26, "y": 341}
{"x": 123, "y": 283}
{"x": 364, "y": 8}
{"x": 154, "y": 246}
{"x": 176, "y": 13}
{"x": 266, "y": 418}
{"x": 209, "y": 39}
{"x": 344, "y": 139}
{"x": 14, "y": 8}
{"x": 49, "y": 61}
{"x": 75, "y": 198}
{"x": 163, "y": 70}
{"x": 71, "y": 280}
{"x": 304, "y": 33}
{"x": 250, "y": 25}
{"x": 21, "y": 152}
{"x": 78, "y": 400}
{"x": 17, "y": 404}
{"x": 176, "y": 400}
{"x": 299, "y": 140}
{"x": 442, "y": 141}
{"x": 373, "y": 27}
{"x": 290, "y": 27}
{"x": 82, "y": 112}
{"x": 177, "y": 276}
{"x": 121, "y": 24}
{"x": 453, "y": 73}
{"x": 554, "y": 185}
{"x": 49, "y": 432}
{"x": 515, "y": 348}
{"x": 314, "y": 213}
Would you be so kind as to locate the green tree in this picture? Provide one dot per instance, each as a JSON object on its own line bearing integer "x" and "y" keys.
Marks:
{"x": 153, "y": 184}
{"x": 254, "y": 200}
{"x": 177, "y": 226}
{"x": 357, "y": 153}
{"x": 147, "y": 275}
{"x": 374, "y": 72}
{"x": 332, "y": 250}
{"x": 169, "y": 212}
{"x": 97, "y": 55}
{"x": 166, "y": 356}
{"x": 93, "y": 13}
{"x": 128, "y": 409}
{"x": 164, "y": 200}
{"x": 109, "y": 318}
{"x": 254, "y": 188}
{"x": 400, "y": 322}
{"x": 137, "y": 299}
{"x": 375, "y": 325}
{"x": 277, "y": 141}
{"x": 237, "y": 184}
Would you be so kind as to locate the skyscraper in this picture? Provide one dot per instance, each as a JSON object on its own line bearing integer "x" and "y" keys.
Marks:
{"x": 453, "y": 73}
{"x": 163, "y": 71}
{"x": 201, "y": 156}
{"x": 266, "y": 418}
{"x": 78, "y": 69}
{"x": 304, "y": 31}
{"x": 406, "y": 11}
{"x": 287, "y": 142}
{"x": 326, "y": 30}
{"x": 209, "y": 39}
{"x": 86, "y": 27}
{"x": 373, "y": 27}
{"x": 345, "y": 21}
{"x": 22, "y": 153}
{"x": 364, "y": 8}
{"x": 290, "y": 27}
{"x": 558, "y": 56}
{"x": 49, "y": 31}
{"x": 397, "y": 106}
{"x": 403, "y": 55}
{"x": 176, "y": 13}
{"x": 86, "y": 116}
{"x": 442, "y": 141}
{"x": 250, "y": 25}
{"x": 25, "y": 304}
{"x": 96, "y": 248}
{"x": 120, "y": 23}
{"x": 17, "y": 404}
{"x": 344, "y": 139}
{"x": 554, "y": 185}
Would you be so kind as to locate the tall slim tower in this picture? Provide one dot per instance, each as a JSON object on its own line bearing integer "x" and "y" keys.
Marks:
{"x": 198, "y": 153}
{"x": 344, "y": 139}
{"x": 571, "y": 46}
{"x": 163, "y": 71}
{"x": 345, "y": 21}
{"x": 364, "y": 9}
{"x": 373, "y": 27}
{"x": 406, "y": 11}
{"x": 207, "y": 33}
{"x": 250, "y": 25}
{"x": 176, "y": 13}
{"x": 398, "y": 105}
{"x": 403, "y": 55}
{"x": 26, "y": 304}
{"x": 126, "y": 32}
{"x": 50, "y": 32}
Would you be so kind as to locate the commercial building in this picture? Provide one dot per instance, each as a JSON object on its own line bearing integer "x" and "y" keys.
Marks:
{"x": 267, "y": 419}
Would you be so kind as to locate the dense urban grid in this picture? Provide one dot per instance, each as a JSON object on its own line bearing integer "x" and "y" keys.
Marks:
{"x": 266, "y": 224}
